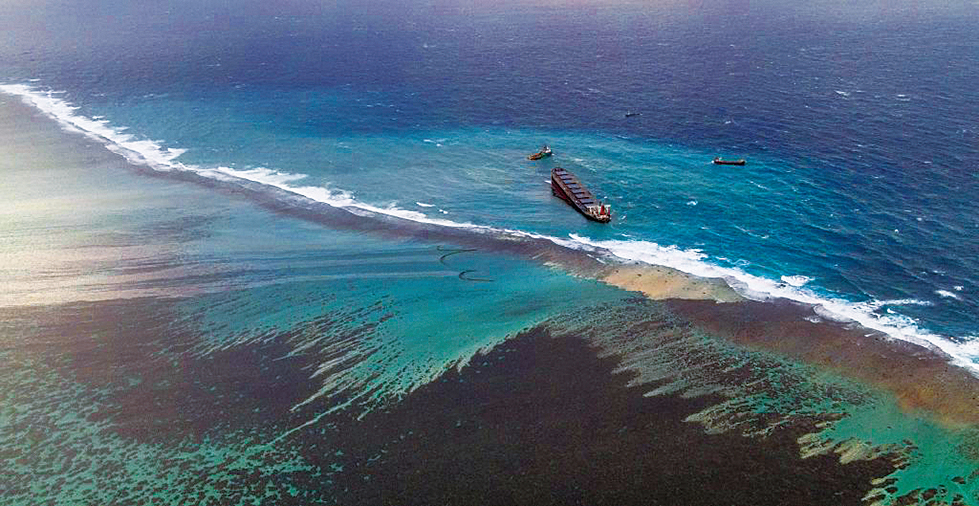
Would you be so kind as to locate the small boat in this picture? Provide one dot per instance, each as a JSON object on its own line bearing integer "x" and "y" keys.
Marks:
{"x": 567, "y": 187}
{"x": 631, "y": 114}
{"x": 544, "y": 152}
{"x": 718, "y": 161}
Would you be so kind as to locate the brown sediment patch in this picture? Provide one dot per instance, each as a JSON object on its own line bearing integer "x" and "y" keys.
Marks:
{"x": 920, "y": 378}
{"x": 659, "y": 283}
{"x": 547, "y": 420}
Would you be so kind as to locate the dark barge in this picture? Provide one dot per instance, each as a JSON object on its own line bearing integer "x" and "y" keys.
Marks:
{"x": 566, "y": 186}
{"x": 718, "y": 161}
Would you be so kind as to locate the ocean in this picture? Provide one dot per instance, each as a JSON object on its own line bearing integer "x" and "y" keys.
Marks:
{"x": 296, "y": 253}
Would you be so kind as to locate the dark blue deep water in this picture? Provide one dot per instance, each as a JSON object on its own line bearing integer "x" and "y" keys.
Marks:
{"x": 858, "y": 121}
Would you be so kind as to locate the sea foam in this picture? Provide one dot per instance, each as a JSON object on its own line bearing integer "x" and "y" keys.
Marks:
{"x": 796, "y": 281}
{"x": 963, "y": 351}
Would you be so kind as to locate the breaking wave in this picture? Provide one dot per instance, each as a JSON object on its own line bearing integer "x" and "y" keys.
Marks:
{"x": 963, "y": 352}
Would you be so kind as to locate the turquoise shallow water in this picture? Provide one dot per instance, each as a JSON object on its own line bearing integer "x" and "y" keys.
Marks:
{"x": 170, "y": 317}
{"x": 857, "y": 194}
{"x": 162, "y": 342}
{"x": 772, "y": 228}
{"x": 180, "y": 346}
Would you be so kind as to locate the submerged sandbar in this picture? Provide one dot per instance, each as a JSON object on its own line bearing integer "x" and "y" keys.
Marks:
{"x": 660, "y": 283}
{"x": 921, "y": 378}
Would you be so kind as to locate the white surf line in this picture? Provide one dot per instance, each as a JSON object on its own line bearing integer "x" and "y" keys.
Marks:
{"x": 754, "y": 287}
{"x": 151, "y": 153}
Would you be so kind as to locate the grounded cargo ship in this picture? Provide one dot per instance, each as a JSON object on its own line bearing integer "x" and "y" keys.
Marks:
{"x": 565, "y": 185}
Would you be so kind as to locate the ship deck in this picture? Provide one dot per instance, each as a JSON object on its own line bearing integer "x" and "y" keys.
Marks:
{"x": 567, "y": 186}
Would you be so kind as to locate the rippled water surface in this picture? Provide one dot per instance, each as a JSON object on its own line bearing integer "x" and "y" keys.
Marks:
{"x": 257, "y": 220}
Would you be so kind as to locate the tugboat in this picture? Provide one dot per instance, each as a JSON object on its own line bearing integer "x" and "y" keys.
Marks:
{"x": 718, "y": 161}
{"x": 566, "y": 186}
{"x": 544, "y": 152}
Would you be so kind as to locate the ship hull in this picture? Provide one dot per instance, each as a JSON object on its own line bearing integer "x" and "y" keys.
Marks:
{"x": 566, "y": 186}
{"x": 729, "y": 162}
